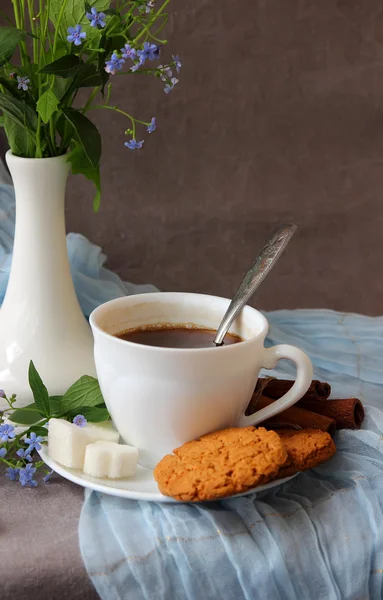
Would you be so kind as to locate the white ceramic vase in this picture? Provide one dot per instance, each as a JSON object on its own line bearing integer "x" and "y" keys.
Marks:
{"x": 41, "y": 319}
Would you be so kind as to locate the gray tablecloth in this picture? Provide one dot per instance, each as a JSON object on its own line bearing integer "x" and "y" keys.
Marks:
{"x": 39, "y": 551}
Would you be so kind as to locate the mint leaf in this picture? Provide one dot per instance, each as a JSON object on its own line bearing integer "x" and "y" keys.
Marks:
{"x": 26, "y": 417}
{"x": 86, "y": 134}
{"x": 9, "y": 38}
{"x": 46, "y": 105}
{"x": 40, "y": 392}
{"x": 93, "y": 414}
{"x": 55, "y": 405}
{"x": 84, "y": 392}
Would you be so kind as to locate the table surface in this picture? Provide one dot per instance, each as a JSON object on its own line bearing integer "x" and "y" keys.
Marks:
{"x": 39, "y": 550}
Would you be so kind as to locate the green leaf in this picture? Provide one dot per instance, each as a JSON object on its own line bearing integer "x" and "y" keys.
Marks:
{"x": 20, "y": 112}
{"x": 9, "y": 38}
{"x": 74, "y": 13}
{"x": 10, "y": 86}
{"x": 40, "y": 392}
{"x": 66, "y": 66}
{"x": 86, "y": 133}
{"x": 26, "y": 417}
{"x": 94, "y": 414}
{"x": 46, "y": 105}
{"x": 38, "y": 430}
{"x": 84, "y": 392}
{"x": 20, "y": 142}
{"x": 61, "y": 86}
{"x": 55, "y": 405}
{"x": 87, "y": 76}
{"x": 81, "y": 165}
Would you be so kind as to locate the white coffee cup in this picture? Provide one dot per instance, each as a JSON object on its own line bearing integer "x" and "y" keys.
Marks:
{"x": 159, "y": 398}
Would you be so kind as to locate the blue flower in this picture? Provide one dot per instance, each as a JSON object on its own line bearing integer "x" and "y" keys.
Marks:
{"x": 169, "y": 86}
{"x": 149, "y": 51}
{"x": 133, "y": 144}
{"x": 114, "y": 64}
{"x": 166, "y": 73}
{"x": 96, "y": 18}
{"x": 23, "y": 83}
{"x": 34, "y": 442}
{"x": 149, "y": 6}
{"x": 12, "y": 474}
{"x": 7, "y": 432}
{"x": 25, "y": 454}
{"x": 79, "y": 420}
{"x": 3, "y": 452}
{"x": 177, "y": 62}
{"x": 152, "y": 126}
{"x": 128, "y": 52}
{"x": 2, "y": 394}
{"x": 76, "y": 35}
{"x": 26, "y": 476}
{"x": 47, "y": 477}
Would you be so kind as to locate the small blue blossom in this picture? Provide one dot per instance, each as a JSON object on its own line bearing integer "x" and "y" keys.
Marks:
{"x": 149, "y": 51}
{"x": 76, "y": 35}
{"x": 149, "y": 6}
{"x": 177, "y": 62}
{"x": 12, "y": 474}
{"x": 26, "y": 476}
{"x": 24, "y": 454}
{"x": 79, "y": 420}
{"x": 47, "y": 477}
{"x": 3, "y": 452}
{"x": 34, "y": 442}
{"x": 23, "y": 83}
{"x": 7, "y": 432}
{"x": 152, "y": 126}
{"x": 114, "y": 64}
{"x": 96, "y": 18}
{"x": 166, "y": 73}
{"x": 129, "y": 52}
{"x": 2, "y": 394}
{"x": 133, "y": 144}
{"x": 169, "y": 86}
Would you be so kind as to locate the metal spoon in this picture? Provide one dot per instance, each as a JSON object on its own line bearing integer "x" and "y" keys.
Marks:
{"x": 267, "y": 258}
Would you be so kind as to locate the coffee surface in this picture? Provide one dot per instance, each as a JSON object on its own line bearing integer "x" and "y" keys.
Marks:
{"x": 176, "y": 337}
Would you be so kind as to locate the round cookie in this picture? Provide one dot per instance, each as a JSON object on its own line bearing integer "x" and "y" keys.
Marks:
{"x": 219, "y": 464}
{"x": 306, "y": 449}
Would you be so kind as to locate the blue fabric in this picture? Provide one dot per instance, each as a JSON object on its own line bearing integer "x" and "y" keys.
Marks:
{"x": 94, "y": 283}
{"x": 319, "y": 536}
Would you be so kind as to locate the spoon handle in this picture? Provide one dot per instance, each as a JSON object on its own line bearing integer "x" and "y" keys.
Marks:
{"x": 267, "y": 258}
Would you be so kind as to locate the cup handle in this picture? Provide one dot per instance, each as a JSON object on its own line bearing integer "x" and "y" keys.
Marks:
{"x": 300, "y": 387}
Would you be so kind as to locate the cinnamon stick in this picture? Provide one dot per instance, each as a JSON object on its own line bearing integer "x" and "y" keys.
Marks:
{"x": 348, "y": 413}
{"x": 275, "y": 388}
{"x": 295, "y": 416}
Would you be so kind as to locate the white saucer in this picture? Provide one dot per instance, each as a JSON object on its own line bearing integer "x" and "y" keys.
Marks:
{"x": 142, "y": 486}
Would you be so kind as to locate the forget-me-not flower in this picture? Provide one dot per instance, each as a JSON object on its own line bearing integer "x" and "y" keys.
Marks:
{"x": 24, "y": 454}
{"x": 133, "y": 144}
{"x": 34, "y": 442}
{"x": 114, "y": 64}
{"x": 177, "y": 62}
{"x": 79, "y": 420}
{"x": 3, "y": 452}
{"x": 96, "y": 18}
{"x": 7, "y": 432}
{"x": 149, "y": 51}
{"x": 169, "y": 86}
{"x": 129, "y": 52}
{"x": 23, "y": 83}
{"x": 12, "y": 474}
{"x": 47, "y": 477}
{"x": 26, "y": 476}
{"x": 76, "y": 36}
{"x": 152, "y": 125}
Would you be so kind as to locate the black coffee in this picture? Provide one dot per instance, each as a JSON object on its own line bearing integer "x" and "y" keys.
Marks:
{"x": 176, "y": 337}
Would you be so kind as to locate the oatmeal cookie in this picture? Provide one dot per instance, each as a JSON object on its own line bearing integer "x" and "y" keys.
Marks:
{"x": 219, "y": 464}
{"x": 306, "y": 449}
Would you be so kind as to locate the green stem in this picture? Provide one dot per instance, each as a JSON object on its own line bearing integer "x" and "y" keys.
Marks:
{"x": 33, "y": 29}
{"x": 52, "y": 132}
{"x": 147, "y": 27}
{"x": 38, "y": 138}
{"x": 61, "y": 14}
{"x": 90, "y": 99}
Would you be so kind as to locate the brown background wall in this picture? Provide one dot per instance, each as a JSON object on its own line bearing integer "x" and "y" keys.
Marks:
{"x": 278, "y": 116}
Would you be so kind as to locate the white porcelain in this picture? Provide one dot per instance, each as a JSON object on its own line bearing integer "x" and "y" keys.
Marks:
{"x": 142, "y": 486}
{"x": 160, "y": 398}
{"x": 40, "y": 318}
